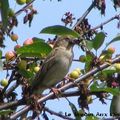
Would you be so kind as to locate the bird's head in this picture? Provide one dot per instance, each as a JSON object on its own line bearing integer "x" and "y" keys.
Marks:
{"x": 65, "y": 41}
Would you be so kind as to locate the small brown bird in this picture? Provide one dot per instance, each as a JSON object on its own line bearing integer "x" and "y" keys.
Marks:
{"x": 55, "y": 66}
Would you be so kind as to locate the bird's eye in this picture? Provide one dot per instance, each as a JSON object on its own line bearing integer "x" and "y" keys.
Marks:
{"x": 67, "y": 39}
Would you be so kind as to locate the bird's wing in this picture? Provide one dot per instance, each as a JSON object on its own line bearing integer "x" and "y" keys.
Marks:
{"x": 49, "y": 62}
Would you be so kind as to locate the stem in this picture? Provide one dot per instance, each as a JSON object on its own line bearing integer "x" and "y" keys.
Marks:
{"x": 84, "y": 15}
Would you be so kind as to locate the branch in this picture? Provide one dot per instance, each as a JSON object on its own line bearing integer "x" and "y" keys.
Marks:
{"x": 57, "y": 114}
{"x": 64, "y": 94}
{"x": 84, "y": 15}
{"x": 107, "y": 21}
{"x": 11, "y": 89}
{"x": 65, "y": 87}
{"x": 21, "y": 10}
{"x": 11, "y": 104}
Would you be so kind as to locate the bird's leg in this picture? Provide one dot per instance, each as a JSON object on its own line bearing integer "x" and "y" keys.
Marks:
{"x": 35, "y": 106}
{"x": 56, "y": 91}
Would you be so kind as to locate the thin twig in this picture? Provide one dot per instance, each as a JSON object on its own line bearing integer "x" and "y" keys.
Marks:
{"x": 106, "y": 22}
{"x": 57, "y": 114}
{"x": 11, "y": 89}
{"x": 76, "y": 60}
{"x": 65, "y": 87}
{"x": 11, "y": 104}
{"x": 84, "y": 15}
{"x": 21, "y": 10}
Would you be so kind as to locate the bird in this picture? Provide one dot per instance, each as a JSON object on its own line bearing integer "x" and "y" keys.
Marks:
{"x": 55, "y": 66}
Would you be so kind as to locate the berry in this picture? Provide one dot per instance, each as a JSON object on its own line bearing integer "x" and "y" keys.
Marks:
{"x": 111, "y": 50}
{"x": 10, "y": 55}
{"x": 36, "y": 69}
{"x": 78, "y": 70}
{"x": 28, "y": 70}
{"x": 117, "y": 66}
{"x": 51, "y": 45}
{"x": 21, "y": 2}
{"x": 4, "y": 82}
{"x": 16, "y": 47}
{"x": 14, "y": 37}
{"x": 74, "y": 74}
{"x": 102, "y": 57}
{"x": 28, "y": 41}
{"x": 22, "y": 65}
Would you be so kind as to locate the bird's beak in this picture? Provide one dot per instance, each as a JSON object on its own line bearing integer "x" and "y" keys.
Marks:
{"x": 75, "y": 41}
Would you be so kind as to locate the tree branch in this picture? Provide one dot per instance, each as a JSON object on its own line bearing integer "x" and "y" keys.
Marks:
{"x": 11, "y": 104}
{"x": 65, "y": 87}
{"x": 107, "y": 21}
{"x": 57, "y": 114}
{"x": 21, "y": 10}
{"x": 84, "y": 15}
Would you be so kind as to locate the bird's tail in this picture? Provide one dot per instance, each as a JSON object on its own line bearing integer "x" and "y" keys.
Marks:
{"x": 38, "y": 91}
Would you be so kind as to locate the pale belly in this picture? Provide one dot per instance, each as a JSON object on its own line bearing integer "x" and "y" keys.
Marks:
{"x": 57, "y": 73}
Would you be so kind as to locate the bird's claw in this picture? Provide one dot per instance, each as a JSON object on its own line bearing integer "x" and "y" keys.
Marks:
{"x": 56, "y": 91}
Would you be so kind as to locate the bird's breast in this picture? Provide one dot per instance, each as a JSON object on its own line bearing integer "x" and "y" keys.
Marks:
{"x": 59, "y": 70}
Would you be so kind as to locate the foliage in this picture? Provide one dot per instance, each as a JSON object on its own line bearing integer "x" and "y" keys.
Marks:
{"x": 99, "y": 77}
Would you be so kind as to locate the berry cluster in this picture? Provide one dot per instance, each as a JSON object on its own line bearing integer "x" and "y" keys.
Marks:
{"x": 84, "y": 29}
{"x": 68, "y": 18}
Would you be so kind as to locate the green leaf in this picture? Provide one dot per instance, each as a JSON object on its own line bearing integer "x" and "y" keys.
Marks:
{"x": 4, "y": 12}
{"x": 113, "y": 91}
{"x": 89, "y": 44}
{"x": 35, "y": 40}
{"x": 60, "y": 30}
{"x": 89, "y": 59}
{"x": 37, "y": 49}
{"x": 5, "y": 112}
{"x": 117, "y": 38}
{"x": 98, "y": 40}
{"x": 109, "y": 71}
{"x": 75, "y": 111}
{"x": 95, "y": 87}
{"x": 26, "y": 74}
{"x": 0, "y": 54}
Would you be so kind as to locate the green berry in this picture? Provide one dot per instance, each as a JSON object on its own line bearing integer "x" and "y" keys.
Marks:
{"x": 74, "y": 74}
{"x": 21, "y": 2}
{"x": 4, "y": 82}
{"x": 36, "y": 69}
